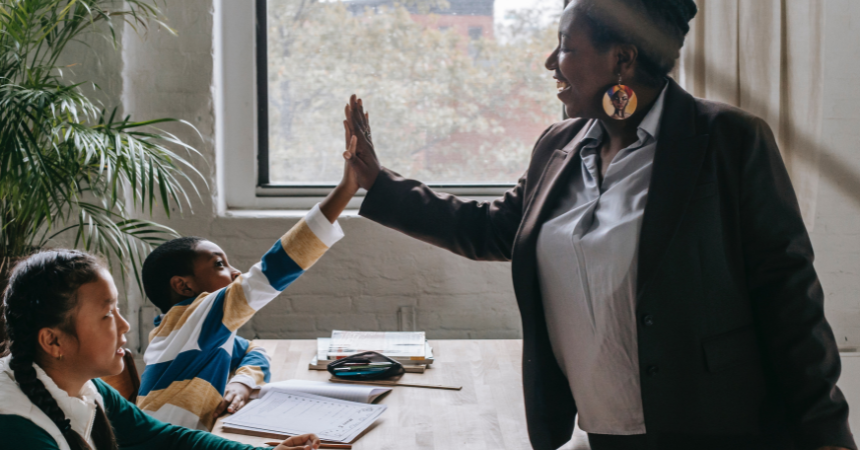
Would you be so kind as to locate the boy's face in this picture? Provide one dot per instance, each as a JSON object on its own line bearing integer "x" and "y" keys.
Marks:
{"x": 212, "y": 271}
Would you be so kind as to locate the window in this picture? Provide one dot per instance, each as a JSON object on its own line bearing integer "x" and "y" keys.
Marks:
{"x": 456, "y": 89}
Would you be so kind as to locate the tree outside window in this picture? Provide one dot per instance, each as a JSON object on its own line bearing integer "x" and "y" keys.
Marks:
{"x": 456, "y": 90}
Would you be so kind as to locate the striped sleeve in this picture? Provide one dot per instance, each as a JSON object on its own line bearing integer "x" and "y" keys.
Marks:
{"x": 251, "y": 364}
{"x": 285, "y": 262}
{"x": 191, "y": 352}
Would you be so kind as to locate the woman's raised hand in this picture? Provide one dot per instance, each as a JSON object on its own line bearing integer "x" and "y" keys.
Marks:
{"x": 303, "y": 442}
{"x": 362, "y": 159}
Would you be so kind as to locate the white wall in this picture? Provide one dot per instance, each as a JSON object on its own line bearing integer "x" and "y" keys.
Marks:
{"x": 367, "y": 278}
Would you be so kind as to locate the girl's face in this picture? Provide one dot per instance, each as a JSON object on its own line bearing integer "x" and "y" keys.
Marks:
{"x": 97, "y": 349}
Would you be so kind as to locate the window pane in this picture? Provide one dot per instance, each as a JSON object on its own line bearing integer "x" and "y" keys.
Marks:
{"x": 456, "y": 90}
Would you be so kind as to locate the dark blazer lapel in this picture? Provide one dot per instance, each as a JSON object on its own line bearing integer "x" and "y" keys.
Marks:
{"x": 677, "y": 162}
{"x": 546, "y": 190}
{"x": 543, "y": 194}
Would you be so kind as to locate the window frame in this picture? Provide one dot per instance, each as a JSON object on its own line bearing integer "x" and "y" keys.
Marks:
{"x": 241, "y": 105}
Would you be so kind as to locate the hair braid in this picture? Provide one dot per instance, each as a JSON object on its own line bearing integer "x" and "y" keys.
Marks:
{"x": 25, "y": 375}
{"x": 41, "y": 294}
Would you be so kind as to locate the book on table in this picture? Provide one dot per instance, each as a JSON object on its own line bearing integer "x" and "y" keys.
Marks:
{"x": 406, "y": 347}
{"x": 335, "y": 413}
{"x": 399, "y": 345}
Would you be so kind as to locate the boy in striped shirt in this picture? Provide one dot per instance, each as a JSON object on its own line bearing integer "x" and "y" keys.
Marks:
{"x": 194, "y": 347}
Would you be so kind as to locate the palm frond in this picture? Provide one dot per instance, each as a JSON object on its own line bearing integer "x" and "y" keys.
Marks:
{"x": 68, "y": 167}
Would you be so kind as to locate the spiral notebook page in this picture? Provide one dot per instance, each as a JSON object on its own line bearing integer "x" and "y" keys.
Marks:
{"x": 294, "y": 413}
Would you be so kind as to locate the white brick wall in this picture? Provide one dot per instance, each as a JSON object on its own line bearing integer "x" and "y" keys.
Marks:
{"x": 368, "y": 277}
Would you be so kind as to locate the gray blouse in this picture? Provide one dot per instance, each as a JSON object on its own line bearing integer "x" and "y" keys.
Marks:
{"x": 586, "y": 254}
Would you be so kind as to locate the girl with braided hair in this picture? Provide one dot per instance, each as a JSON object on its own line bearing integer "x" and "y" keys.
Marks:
{"x": 63, "y": 332}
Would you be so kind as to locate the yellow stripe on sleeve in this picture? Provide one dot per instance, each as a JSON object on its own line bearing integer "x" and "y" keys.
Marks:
{"x": 176, "y": 318}
{"x": 237, "y": 311}
{"x": 302, "y": 245}
{"x": 197, "y": 396}
{"x": 255, "y": 372}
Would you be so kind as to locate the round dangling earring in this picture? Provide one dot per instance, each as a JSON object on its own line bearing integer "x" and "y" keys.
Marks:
{"x": 619, "y": 101}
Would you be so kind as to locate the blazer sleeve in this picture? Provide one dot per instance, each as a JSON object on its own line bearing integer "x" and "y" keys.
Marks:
{"x": 787, "y": 298}
{"x": 482, "y": 231}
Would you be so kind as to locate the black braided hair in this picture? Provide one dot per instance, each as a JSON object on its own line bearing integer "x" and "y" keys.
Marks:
{"x": 657, "y": 28}
{"x": 40, "y": 294}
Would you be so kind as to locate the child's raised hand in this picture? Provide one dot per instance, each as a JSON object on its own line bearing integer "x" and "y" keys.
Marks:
{"x": 235, "y": 397}
{"x": 303, "y": 442}
{"x": 363, "y": 159}
{"x": 350, "y": 141}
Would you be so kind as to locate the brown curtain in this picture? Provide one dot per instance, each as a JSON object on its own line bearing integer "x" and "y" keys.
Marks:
{"x": 765, "y": 56}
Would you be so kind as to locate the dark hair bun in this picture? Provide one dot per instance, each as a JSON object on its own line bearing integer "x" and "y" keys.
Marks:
{"x": 656, "y": 27}
{"x": 676, "y": 14}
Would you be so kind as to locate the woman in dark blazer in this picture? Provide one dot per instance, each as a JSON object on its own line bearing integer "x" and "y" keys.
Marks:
{"x": 716, "y": 336}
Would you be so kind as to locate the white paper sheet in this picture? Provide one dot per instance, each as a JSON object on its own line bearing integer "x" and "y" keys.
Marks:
{"x": 293, "y": 413}
{"x": 352, "y": 393}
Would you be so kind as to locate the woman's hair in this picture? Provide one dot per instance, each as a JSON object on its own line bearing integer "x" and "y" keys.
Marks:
{"x": 656, "y": 27}
{"x": 42, "y": 293}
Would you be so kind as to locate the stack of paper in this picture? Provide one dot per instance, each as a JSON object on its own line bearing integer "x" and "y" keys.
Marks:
{"x": 283, "y": 410}
{"x": 404, "y": 347}
{"x": 394, "y": 344}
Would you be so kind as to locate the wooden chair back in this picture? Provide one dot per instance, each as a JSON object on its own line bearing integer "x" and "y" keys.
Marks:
{"x": 127, "y": 382}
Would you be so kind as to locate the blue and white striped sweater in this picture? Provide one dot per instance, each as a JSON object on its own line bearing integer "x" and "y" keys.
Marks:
{"x": 194, "y": 347}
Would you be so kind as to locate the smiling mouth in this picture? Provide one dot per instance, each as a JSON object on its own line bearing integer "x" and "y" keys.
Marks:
{"x": 561, "y": 85}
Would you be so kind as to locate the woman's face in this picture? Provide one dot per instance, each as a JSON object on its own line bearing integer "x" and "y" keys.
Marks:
{"x": 96, "y": 350}
{"x": 620, "y": 100}
{"x": 582, "y": 72}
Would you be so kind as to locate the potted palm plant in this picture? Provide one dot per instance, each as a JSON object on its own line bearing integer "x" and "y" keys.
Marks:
{"x": 68, "y": 168}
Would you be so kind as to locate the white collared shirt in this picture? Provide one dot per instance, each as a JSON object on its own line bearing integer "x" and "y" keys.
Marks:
{"x": 587, "y": 264}
{"x": 81, "y": 411}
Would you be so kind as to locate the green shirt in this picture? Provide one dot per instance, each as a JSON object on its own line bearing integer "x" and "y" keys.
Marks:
{"x": 134, "y": 430}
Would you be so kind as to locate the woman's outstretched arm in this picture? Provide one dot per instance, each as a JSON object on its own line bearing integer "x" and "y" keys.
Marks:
{"x": 476, "y": 230}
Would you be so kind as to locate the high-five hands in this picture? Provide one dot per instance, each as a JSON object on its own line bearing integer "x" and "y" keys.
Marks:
{"x": 303, "y": 442}
{"x": 361, "y": 157}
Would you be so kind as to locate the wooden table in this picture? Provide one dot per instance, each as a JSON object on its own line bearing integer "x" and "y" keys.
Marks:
{"x": 488, "y": 413}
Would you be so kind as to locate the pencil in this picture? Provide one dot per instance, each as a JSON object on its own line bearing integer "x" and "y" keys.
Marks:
{"x": 323, "y": 445}
{"x": 392, "y": 383}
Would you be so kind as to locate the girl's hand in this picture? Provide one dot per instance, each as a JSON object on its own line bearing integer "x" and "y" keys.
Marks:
{"x": 363, "y": 160}
{"x": 303, "y": 442}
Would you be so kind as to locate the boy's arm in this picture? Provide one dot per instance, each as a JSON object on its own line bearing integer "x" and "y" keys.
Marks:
{"x": 252, "y": 364}
{"x": 283, "y": 264}
{"x": 292, "y": 255}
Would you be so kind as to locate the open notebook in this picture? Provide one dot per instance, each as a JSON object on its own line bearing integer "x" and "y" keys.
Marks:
{"x": 335, "y": 413}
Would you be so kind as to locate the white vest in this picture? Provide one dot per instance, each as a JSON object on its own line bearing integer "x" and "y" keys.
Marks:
{"x": 80, "y": 411}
